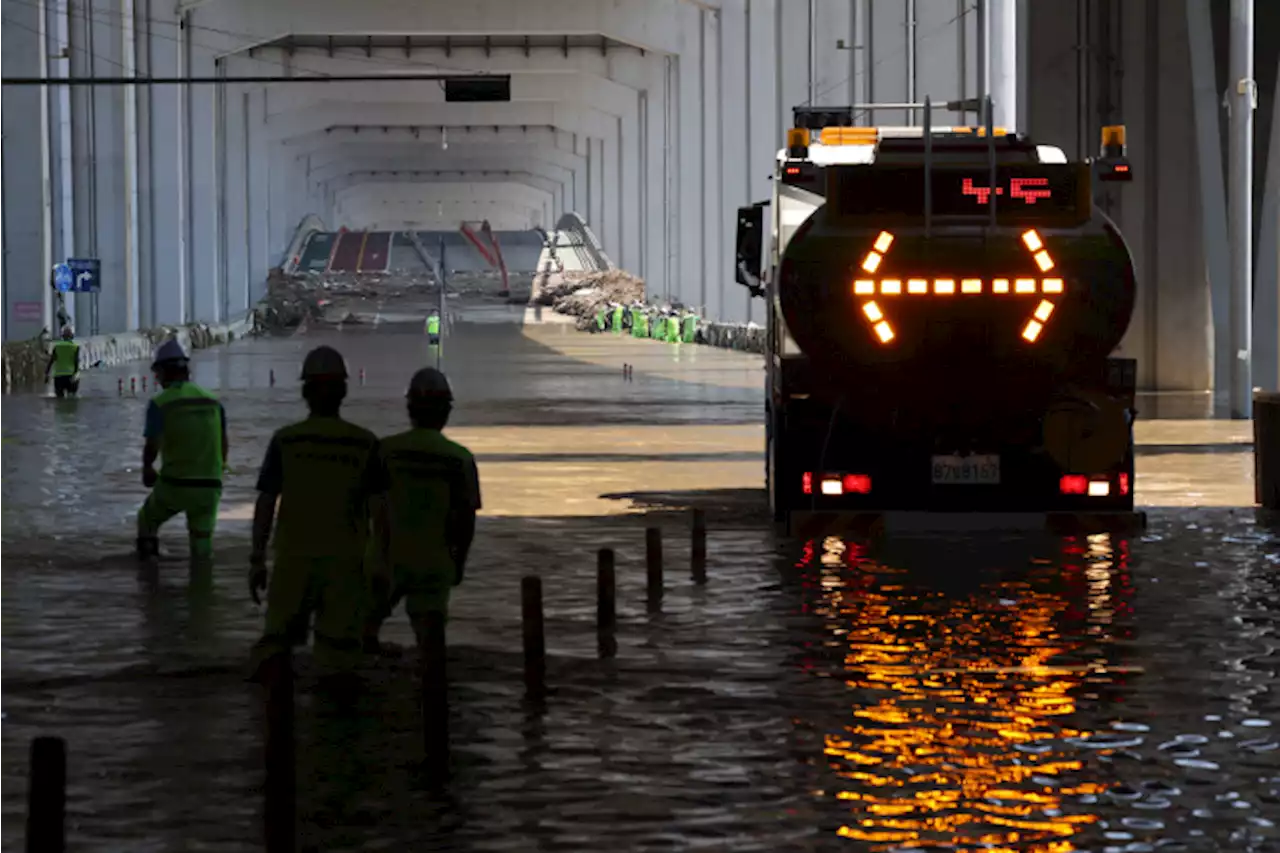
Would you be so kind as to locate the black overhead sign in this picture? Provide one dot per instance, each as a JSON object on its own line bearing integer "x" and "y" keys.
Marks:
{"x": 494, "y": 88}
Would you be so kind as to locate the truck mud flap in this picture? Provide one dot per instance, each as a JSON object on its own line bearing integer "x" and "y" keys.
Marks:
{"x": 807, "y": 525}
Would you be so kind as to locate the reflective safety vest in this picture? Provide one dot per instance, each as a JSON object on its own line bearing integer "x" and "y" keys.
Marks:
{"x": 617, "y": 318}
{"x": 64, "y": 357}
{"x": 673, "y": 330}
{"x": 428, "y": 478}
{"x": 601, "y": 322}
{"x": 190, "y": 435}
{"x": 639, "y": 324}
{"x": 659, "y": 328}
{"x": 325, "y": 467}
{"x": 433, "y": 325}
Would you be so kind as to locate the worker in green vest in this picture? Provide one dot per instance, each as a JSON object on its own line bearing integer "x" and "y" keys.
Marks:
{"x": 186, "y": 428}
{"x": 324, "y": 474}
{"x": 433, "y": 328}
{"x": 602, "y": 322}
{"x": 64, "y": 364}
{"x": 639, "y": 322}
{"x": 690, "y": 328}
{"x": 433, "y": 494}
{"x": 617, "y": 317}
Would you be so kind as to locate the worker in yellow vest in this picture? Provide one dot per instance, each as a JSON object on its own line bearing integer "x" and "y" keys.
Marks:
{"x": 186, "y": 428}
{"x": 323, "y": 471}
{"x": 64, "y": 364}
{"x": 433, "y": 494}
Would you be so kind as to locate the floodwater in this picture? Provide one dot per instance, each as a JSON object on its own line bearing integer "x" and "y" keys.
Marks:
{"x": 1029, "y": 694}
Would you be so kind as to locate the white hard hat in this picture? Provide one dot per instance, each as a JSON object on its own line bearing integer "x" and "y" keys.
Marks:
{"x": 169, "y": 351}
{"x": 68, "y": 332}
{"x": 324, "y": 363}
{"x": 430, "y": 383}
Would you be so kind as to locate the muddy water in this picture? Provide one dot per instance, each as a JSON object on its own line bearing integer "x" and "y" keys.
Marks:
{"x": 1023, "y": 694}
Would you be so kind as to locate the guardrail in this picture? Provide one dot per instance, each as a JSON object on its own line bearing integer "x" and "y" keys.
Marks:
{"x": 307, "y": 226}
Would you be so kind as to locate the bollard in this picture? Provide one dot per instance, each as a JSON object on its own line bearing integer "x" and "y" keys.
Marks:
{"x": 280, "y": 791}
{"x": 606, "y": 604}
{"x": 272, "y": 378}
{"x": 133, "y": 385}
{"x": 535, "y": 643}
{"x": 144, "y": 384}
{"x": 698, "y": 549}
{"x": 47, "y": 796}
{"x": 120, "y": 386}
{"x": 435, "y": 696}
{"x": 1266, "y": 449}
{"x": 362, "y": 376}
{"x": 653, "y": 563}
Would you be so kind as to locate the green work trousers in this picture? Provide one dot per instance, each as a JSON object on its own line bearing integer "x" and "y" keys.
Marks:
{"x": 198, "y": 503}
{"x": 329, "y": 588}
{"x": 424, "y": 590}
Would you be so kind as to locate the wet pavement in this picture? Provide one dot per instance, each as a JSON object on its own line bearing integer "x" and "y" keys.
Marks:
{"x": 1009, "y": 693}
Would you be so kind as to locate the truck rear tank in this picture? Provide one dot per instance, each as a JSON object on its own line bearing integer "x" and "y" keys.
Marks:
{"x": 953, "y": 357}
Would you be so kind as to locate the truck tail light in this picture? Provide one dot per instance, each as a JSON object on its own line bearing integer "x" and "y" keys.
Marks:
{"x": 832, "y": 486}
{"x": 806, "y": 482}
{"x": 1073, "y": 484}
{"x": 1094, "y": 487}
{"x": 858, "y": 484}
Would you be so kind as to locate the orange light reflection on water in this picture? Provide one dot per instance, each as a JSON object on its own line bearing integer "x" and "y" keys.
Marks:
{"x": 962, "y": 703}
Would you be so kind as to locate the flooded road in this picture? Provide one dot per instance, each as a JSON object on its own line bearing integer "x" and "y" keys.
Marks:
{"x": 1029, "y": 694}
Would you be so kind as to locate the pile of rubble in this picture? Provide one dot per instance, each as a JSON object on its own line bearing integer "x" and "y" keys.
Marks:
{"x": 288, "y": 303}
{"x": 582, "y": 294}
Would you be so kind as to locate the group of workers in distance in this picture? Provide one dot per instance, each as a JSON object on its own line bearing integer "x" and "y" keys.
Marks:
{"x": 359, "y": 523}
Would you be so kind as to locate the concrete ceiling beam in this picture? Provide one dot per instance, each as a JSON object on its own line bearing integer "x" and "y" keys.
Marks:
{"x": 643, "y": 25}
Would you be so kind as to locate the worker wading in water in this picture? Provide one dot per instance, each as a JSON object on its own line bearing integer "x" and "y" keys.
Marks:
{"x": 186, "y": 428}
{"x": 433, "y": 493}
{"x": 64, "y": 364}
{"x": 324, "y": 472}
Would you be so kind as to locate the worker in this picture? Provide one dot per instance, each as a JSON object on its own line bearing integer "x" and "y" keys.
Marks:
{"x": 433, "y": 493}
{"x": 433, "y": 328}
{"x": 617, "y": 317}
{"x": 186, "y": 428}
{"x": 323, "y": 470}
{"x": 64, "y": 364}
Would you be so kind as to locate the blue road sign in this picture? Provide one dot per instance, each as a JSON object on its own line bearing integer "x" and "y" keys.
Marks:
{"x": 87, "y": 273}
{"x": 63, "y": 279}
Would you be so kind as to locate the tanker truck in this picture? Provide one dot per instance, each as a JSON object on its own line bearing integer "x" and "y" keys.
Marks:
{"x": 943, "y": 305}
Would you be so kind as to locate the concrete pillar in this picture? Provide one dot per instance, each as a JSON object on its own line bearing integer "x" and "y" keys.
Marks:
{"x": 1002, "y": 42}
{"x": 237, "y": 230}
{"x": 1266, "y": 318}
{"x": 166, "y": 191}
{"x": 1242, "y": 100}
{"x": 24, "y": 281}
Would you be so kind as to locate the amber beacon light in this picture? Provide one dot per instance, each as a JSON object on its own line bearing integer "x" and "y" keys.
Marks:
{"x": 1046, "y": 286}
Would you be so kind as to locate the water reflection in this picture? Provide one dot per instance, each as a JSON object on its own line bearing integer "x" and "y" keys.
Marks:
{"x": 961, "y": 731}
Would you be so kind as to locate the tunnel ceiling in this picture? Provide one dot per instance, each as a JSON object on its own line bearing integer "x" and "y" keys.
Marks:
{"x": 485, "y": 43}
{"x": 361, "y": 137}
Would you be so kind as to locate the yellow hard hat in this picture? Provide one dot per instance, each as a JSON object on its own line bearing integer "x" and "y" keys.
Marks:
{"x": 429, "y": 383}
{"x": 324, "y": 363}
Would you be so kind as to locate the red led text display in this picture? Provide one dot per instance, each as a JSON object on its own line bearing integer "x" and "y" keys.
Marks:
{"x": 1022, "y": 193}
{"x": 1026, "y": 190}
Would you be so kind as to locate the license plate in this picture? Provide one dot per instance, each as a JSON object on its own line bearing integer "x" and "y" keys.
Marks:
{"x": 967, "y": 470}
